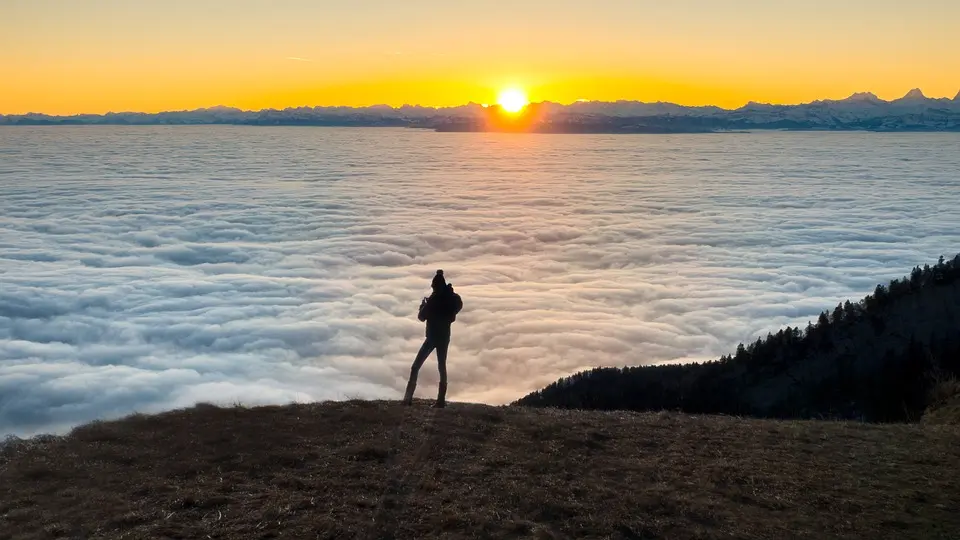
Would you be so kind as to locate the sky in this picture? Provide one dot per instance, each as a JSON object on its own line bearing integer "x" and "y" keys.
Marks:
{"x": 72, "y": 56}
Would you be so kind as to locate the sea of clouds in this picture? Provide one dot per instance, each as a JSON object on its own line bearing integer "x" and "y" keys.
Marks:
{"x": 149, "y": 268}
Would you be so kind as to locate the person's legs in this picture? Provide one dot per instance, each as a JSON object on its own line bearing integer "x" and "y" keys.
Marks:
{"x": 442, "y": 346}
{"x": 425, "y": 351}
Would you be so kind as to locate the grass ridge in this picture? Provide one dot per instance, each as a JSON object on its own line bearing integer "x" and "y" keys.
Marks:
{"x": 375, "y": 469}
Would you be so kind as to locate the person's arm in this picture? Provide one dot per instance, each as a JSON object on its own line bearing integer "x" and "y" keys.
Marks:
{"x": 422, "y": 314}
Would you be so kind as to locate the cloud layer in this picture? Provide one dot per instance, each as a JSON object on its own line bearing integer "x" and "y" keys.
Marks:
{"x": 143, "y": 269}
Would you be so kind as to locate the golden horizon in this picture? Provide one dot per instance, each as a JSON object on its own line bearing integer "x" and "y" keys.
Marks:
{"x": 112, "y": 56}
{"x": 450, "y": 105}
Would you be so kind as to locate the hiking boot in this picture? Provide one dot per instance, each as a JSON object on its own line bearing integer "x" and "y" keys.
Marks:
{"x": 439, "y": 404}
{"x": 442, "y": 393}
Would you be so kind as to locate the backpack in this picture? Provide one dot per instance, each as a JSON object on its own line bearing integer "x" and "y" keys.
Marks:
{"x": 456, "y": 304}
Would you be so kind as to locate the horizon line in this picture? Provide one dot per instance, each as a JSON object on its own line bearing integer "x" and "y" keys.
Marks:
{"x": 913, "y": 92}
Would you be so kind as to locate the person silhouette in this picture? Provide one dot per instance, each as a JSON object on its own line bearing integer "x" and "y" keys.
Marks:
{"x": 439, "y": 311}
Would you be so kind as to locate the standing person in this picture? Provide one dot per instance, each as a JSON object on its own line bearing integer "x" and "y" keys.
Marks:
{"x": 439, "y": 311}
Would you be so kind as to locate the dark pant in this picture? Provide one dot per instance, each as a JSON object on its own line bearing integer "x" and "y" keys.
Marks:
{"x": 428, "y": 346}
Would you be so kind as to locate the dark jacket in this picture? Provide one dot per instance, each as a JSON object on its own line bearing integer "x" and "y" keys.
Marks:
{"x": 440, "y": 311}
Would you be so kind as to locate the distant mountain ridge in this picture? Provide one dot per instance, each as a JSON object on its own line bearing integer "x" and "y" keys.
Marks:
{"x": 860, "y": 111}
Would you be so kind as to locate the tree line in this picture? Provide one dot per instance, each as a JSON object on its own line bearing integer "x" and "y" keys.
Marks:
{"x": 872, "y": 360}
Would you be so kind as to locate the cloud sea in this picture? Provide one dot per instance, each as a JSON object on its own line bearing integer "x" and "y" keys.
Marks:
{"x": 150, "y": 268}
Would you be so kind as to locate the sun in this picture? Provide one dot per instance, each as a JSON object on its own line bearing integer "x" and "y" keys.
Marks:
{"x": 513, "y": 100}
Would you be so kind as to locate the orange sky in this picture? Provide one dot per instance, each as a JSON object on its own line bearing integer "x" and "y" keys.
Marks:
{"x": 71, "y": 56}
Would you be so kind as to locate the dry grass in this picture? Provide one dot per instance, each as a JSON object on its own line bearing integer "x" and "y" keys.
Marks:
{"x": 379, "y": 470}
{"x": 944, "y": 403}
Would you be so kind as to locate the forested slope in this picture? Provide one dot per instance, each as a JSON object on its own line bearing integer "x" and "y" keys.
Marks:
{"x": 876, "y": 360}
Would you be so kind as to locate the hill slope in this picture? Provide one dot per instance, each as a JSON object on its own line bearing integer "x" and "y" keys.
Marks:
{"x": 874, "y": 360}
{"x": 379, "y": 470}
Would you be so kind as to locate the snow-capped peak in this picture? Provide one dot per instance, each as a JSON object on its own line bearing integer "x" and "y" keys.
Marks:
{"x": 863, "y": 96}
{"x": 914, "y": 94}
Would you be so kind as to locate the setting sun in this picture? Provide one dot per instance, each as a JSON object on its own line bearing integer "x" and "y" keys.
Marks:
{"x": 512, "y": 100}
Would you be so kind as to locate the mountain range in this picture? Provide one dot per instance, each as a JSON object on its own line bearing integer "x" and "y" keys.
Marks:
{"x": 861, "y": 111}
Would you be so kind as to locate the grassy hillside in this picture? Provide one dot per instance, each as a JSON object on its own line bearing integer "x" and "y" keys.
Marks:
{"x": 877, "y": 360}
{"x": 379, "y": 470}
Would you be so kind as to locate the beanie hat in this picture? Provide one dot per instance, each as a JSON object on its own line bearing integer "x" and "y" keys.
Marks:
{"x": 438, "y": 281}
